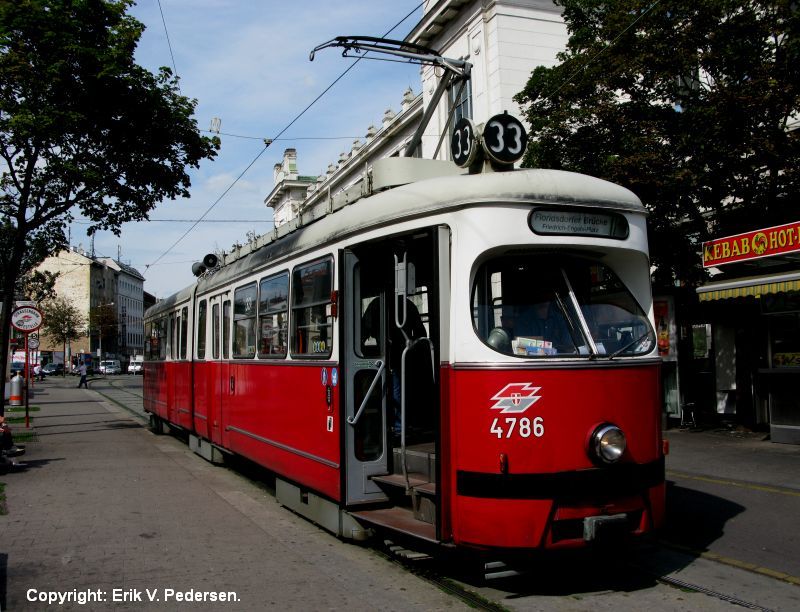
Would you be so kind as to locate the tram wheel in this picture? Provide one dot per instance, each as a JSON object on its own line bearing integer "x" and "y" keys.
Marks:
{"x": 156, "y": 425}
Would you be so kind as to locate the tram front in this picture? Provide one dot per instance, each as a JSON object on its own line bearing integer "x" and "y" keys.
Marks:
{"x": 554, "y": 408}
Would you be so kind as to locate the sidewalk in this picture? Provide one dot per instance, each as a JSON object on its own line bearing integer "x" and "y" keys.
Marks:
{"x": 734, "y": 455}
{"x": 105, "y": 508}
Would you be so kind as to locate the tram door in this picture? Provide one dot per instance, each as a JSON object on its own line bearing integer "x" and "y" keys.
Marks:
{"x": 366, "y": 375}
{"x": 390, "y": 303}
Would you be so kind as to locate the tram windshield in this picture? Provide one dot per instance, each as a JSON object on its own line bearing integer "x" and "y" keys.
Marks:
{"x": 536, "y": 305}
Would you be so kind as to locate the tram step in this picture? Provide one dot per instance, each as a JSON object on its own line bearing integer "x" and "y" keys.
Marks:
{"x": 420, "y": 459}
{"x": 416, "y": 481}
{"x": 398, "y": 519}
{"x": 421, "y": 492}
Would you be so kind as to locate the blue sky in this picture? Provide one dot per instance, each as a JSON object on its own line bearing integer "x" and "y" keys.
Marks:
{"x": 247, "y": 64}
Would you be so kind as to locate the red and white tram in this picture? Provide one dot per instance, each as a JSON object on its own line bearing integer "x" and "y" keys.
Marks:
{"x": 466, "y": 359}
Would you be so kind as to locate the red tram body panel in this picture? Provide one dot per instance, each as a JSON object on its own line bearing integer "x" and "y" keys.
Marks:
{"x": 526, "y": 481}
{"x": 465, "y": 360}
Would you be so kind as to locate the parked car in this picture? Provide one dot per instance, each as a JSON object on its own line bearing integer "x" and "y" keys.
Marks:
{"x": 53, "y": 368}
{"x": 110, "y": 366}
{"x": 135, "y": 367}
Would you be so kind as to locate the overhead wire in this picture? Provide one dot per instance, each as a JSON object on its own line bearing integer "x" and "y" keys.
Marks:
{"x": 267, "y": 142}
{"x": 169, "y": 44}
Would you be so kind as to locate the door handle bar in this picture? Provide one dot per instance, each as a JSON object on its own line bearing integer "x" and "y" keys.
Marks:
{"x": 381, "y": 365}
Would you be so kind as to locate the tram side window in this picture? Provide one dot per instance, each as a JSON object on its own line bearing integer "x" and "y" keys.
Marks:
{"x": 184, "y": 330}
{"x": 215, "y": 331}
{"x": 173, "y": 336}
{"x": 311, "y": 320}
{"x": 156, "y": 343}
{"x": 244, "y": 321}
{"x": 226, "y": 329}
{"x": 273, "y": 316}
{"x": 202, "y": 307}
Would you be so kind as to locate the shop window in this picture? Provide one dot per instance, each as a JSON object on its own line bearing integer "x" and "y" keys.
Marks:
{"x": 785, "y": 340}
{"x": 273, "y": 316}
{"x": 311, "y": 320}
{"x": 244, "y": 321}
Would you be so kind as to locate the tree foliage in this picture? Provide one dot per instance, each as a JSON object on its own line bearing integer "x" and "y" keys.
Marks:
{"x": 688, "y": 104}
{"x": 82, "y": 128}
{"x": 62, "y": 321}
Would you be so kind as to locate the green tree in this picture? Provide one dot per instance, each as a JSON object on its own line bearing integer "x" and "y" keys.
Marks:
{"x": 688, "y": 104}
{"x": 62, "y": 322}
{"x": 82, "y": 128}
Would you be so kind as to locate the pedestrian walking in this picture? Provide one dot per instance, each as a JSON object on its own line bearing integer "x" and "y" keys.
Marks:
{"x": 82, "y": 372}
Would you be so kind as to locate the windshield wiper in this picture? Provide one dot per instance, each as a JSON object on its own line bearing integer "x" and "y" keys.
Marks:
{"x": 629, "y": 345}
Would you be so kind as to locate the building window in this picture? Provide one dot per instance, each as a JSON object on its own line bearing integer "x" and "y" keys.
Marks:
{"x": 273, "y": 316}
{"x": 462, "y": 101}
{"x": 311, "y": 320}
{"x": 244, "y": 321}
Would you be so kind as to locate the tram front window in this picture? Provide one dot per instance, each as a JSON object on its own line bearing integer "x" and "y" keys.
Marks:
{"x": 546, "y": 306}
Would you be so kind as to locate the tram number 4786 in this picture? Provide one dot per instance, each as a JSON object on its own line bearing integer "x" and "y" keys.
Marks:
{"x": 524, "y": 427}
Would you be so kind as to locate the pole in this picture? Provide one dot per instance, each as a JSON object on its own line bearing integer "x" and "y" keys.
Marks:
{"x": 28, "y": 382}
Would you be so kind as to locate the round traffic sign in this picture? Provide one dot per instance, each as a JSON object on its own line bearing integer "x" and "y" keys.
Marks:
{"x": 504, "y": 139}
{"x": 463, "y": 144}
{"x": 26, "y": 318}
{"x": 33, "y": 343}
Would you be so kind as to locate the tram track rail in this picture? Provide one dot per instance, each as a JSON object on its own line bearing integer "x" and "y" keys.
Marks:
{"x": 688, "y": 586}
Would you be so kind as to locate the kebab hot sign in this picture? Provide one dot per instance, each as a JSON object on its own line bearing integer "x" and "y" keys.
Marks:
{"x": 765, "y": 242}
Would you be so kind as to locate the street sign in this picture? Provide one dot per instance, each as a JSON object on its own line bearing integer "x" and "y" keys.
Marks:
{"x": 26, "y": 318}
{"x": 33, "y": 343}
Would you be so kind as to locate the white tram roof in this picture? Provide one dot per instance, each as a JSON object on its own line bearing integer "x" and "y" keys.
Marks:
{"x": 443, "y": 189}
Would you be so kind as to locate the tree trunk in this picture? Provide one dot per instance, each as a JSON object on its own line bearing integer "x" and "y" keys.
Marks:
{"x": 10, "y": 276}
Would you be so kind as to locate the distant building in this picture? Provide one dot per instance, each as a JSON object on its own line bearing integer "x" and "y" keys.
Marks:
{"x": 88, "y": 283}
{"x": 129, "y": 302}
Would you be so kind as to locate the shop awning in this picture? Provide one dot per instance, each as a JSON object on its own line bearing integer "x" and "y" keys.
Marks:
{"x": 754, "y": 286}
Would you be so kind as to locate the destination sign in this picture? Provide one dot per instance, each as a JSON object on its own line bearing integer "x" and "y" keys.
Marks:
{"x": 578, "y": 223}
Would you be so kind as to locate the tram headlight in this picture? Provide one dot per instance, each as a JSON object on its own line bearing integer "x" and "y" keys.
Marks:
{"x": 608, "y": 443}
